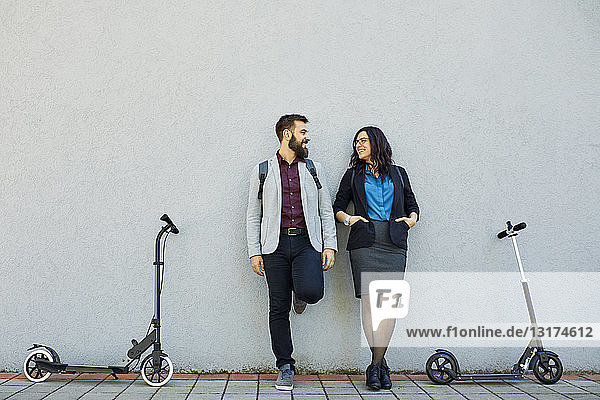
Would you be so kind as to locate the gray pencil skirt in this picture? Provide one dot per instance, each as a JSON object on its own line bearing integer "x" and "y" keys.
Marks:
{"x": 383, "y": 260}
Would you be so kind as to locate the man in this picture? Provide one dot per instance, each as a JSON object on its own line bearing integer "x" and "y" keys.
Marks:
{"x": 291, "y": 234}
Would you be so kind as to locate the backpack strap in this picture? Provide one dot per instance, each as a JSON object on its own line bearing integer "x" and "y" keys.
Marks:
{"x": 313, "y": 171}
{"x": 263, "y": 170}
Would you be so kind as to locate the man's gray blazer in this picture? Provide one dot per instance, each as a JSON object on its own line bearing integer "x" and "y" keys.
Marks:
{"x": 262, "y": 231}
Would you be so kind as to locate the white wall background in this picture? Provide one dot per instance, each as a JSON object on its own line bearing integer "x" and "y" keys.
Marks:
{"x": 114, "y": 112}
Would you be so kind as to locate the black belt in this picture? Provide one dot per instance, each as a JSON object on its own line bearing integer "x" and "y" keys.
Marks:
{"x": 293, "y": 231}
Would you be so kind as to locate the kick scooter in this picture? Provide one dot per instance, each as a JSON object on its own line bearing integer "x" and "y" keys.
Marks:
{"x": 442, "y": 367}
{"x": 156, "y": 368}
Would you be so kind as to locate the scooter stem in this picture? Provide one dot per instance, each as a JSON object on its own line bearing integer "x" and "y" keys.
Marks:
{"x": 526, "y": 292}
{"x": 157, "y": 264}
{"x": 514, "y": 242}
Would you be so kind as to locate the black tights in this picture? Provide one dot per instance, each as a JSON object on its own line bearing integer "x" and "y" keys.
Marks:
{"x": 378, "y": 340}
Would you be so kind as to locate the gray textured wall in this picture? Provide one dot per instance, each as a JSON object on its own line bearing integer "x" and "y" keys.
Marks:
{"x": 115, "y": 112}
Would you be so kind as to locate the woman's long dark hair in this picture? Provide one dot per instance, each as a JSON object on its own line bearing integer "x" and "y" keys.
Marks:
{"x": 381, "y": 152}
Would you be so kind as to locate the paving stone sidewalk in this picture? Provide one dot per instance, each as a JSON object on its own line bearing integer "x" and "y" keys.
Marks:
{"x": 307, "y": 387}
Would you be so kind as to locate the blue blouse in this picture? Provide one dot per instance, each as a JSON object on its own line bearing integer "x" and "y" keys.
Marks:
{"x": 380, "y": 196}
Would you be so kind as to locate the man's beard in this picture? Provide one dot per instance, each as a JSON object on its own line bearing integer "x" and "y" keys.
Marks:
{"x": 296, "y": 146}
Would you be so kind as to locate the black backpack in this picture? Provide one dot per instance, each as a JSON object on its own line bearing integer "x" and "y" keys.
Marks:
{"x": 263, "y": 170}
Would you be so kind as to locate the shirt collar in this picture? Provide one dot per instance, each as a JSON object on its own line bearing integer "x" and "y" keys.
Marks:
{"x": 367, "y": 172}
{"x": 283, "y": 162}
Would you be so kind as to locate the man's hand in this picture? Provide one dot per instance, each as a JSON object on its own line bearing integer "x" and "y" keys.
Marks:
{"x": 257, "y": 265}
{"x": 328, "y": 259}
{"x": 409, "y": 221}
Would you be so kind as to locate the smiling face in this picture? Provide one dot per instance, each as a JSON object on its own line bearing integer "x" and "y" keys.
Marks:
{"x": 362, "y": 145}
{"x": 298, "y": 139}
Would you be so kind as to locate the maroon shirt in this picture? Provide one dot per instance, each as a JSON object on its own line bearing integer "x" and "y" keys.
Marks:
{"x": 292, "y": 215}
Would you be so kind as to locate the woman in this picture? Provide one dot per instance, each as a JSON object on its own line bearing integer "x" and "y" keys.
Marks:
{"x": 385, "y": 209}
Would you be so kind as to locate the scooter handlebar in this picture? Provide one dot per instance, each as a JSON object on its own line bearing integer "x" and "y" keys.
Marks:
{"x": 511, "y": 228}
{"x": 165, "y": 218}
{"x": 520, "y": 226}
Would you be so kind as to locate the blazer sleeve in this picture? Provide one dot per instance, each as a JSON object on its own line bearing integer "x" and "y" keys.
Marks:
{"x": 253, "y": 216}
{"x": 410, "y": 202}
{"x": 328, "y": 231}
{"x": 344, "y": 193}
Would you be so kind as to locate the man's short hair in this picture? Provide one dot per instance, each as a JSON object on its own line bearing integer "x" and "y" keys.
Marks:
{"x": 287, "y": 122}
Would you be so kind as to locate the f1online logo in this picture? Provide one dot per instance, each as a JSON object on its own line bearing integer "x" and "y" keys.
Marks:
{"x": 389, "y": 299}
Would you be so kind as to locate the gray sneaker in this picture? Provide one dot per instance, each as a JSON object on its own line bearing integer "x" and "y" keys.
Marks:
{"x": 285, "y": 379}
{"x": 299, "y": 305}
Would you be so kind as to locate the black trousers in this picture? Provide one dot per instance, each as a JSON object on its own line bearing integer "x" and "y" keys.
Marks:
{"x": 297, "y": 266}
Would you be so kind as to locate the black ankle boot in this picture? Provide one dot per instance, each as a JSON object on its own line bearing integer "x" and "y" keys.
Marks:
{"x": 373, "y": 377}
{"x": 384, "y": 375}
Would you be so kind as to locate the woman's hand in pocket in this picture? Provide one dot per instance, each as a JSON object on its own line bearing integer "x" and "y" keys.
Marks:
{"x": 355, "y": 218}
{"x": 409, "y": 221}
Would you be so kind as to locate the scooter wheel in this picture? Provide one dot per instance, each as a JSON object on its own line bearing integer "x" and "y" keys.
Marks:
{"x": 157, "y": 375}
{"x": 31, "y": 369}
{"x": 548, "y": 371}
{"x": 437, "y": 367}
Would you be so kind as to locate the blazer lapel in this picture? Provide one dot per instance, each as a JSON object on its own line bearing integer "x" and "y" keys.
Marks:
{"x": 302, "y": 171}
{"x": 274, "y": 167}
{"x": 397, "y": 191}
{"x": 359, "y": 186}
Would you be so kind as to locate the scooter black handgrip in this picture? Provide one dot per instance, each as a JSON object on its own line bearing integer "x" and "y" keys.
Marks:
{"x": 166, "y": 219}
{"x": 520, "y": 226}
{"x": 502, "y": 234}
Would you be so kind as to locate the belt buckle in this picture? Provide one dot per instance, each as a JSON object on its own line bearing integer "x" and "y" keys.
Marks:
{"x": 293, "y": 231}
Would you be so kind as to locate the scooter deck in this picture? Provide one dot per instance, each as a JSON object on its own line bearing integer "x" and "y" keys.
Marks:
{"x": 468, "y": 377}
{"x": 61, "y": 368}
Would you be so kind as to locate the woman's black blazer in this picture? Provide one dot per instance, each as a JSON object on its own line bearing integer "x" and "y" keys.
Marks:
{"x": 362, "y": 234}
